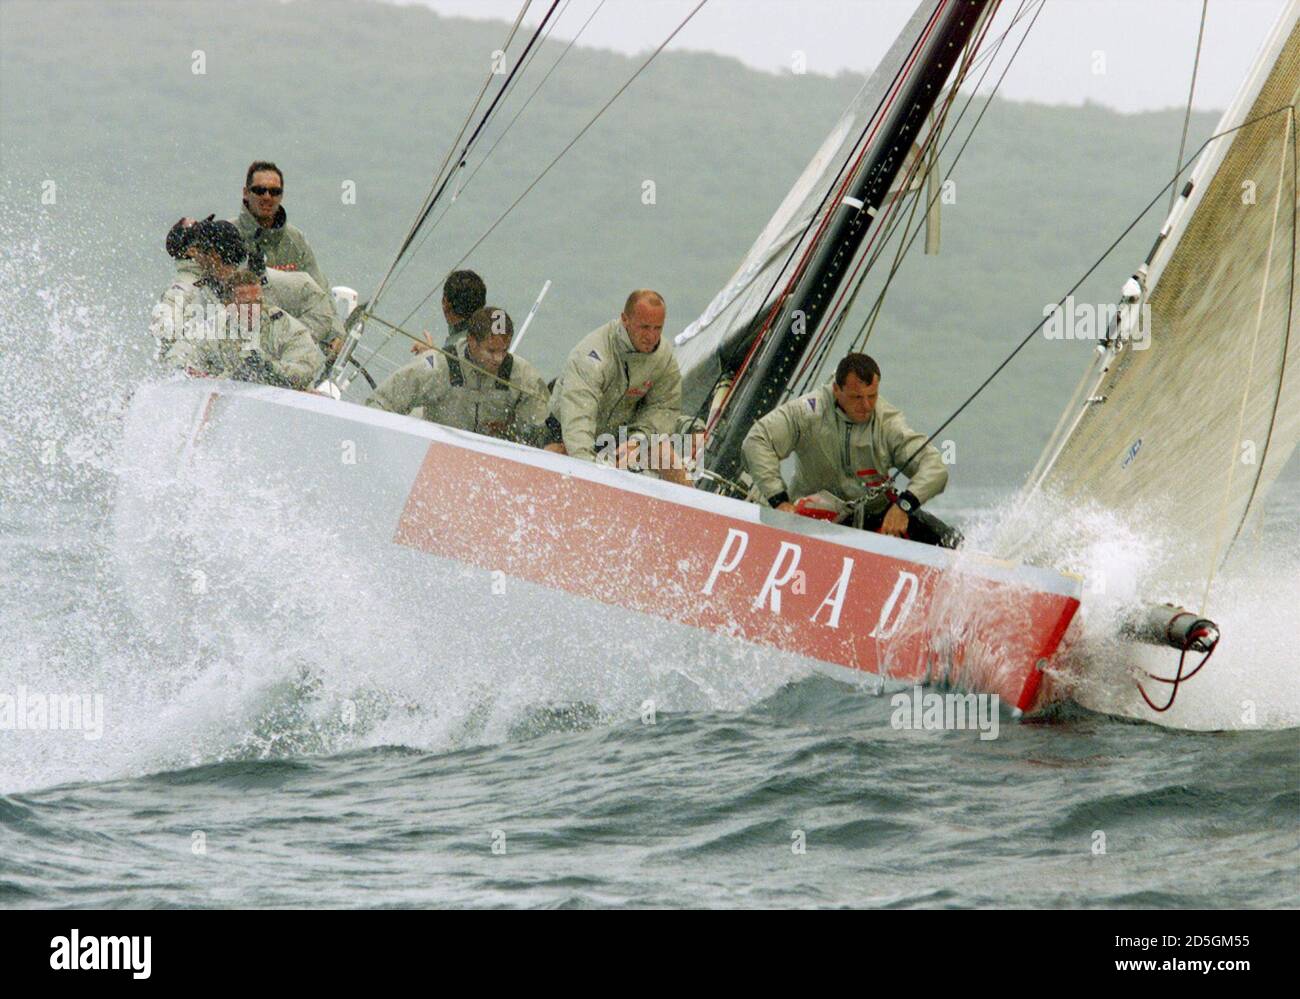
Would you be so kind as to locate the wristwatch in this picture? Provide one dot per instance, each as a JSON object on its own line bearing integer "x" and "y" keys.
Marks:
{"x": 907, "y": 503}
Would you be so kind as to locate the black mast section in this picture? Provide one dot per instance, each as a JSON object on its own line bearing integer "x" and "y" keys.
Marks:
{"x": 778, "y": 357}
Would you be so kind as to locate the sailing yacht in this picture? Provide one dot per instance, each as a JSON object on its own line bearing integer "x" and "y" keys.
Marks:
{"x": 605, "y": 551}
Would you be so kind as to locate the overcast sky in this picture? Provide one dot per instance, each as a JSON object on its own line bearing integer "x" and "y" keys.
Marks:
{"x": 1148, "y": 45}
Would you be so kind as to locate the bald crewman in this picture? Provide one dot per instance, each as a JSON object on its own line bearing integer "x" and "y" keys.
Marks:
{"x": 480, "y": 386}
{"x": 620, "y": 382}
{"x": 845, "y": 439}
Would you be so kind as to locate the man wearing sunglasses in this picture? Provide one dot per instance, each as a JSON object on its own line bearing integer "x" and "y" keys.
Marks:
{"x": 264, "y": 226}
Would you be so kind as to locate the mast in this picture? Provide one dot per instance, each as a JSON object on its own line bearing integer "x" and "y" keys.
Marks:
{"x": 777, "y": 358}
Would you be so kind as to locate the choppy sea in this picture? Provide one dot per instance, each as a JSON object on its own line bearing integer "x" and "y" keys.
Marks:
{"x": 264, "y": 759}
{"x": 221, "y": 775}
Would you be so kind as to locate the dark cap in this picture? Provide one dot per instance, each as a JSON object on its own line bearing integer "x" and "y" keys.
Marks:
{"x": 180, "y": 235}
{"x": 221, "y": 238}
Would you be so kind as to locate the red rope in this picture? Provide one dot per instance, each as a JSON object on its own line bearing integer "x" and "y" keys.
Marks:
{"x": 1179, "y": 679}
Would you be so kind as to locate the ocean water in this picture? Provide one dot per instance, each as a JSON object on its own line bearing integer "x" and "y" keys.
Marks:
{"x": 227, "y": 774}
{"x": 316, "y": 744}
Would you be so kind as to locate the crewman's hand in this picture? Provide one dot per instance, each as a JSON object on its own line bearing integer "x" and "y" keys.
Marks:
{"x": 426, "y": 346}
{"x": 557, "y": 447}
{"x": 628, "y": 454}
{"x": 788, "y": 507}
{"x": 895, "y": 523}
{"x": 332, "y": 348}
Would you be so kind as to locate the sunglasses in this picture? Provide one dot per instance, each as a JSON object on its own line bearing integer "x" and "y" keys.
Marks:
{"x": 260, "y": 191}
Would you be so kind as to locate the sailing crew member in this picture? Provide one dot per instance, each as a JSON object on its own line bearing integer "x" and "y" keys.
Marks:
{"x": 299, "y": 295}
{"x": 463, "y": 294}
{"x": 479, "y": 386}
{"x": 216, "y": 250}
{"x": 621, "y": 380}
{"x": 184, "y": 291}
{"x": 264, "y": 225}
{"x": 845, "y": 438}
{"x": 259, "y": 342}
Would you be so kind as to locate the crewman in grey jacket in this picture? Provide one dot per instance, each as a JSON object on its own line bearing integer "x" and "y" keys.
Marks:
{"x": 299, "y": 295}
{"x": 845, "y": 439}
{"x": 620, "y": 376}
{"x": 463, "y": 294}
{"x": 256, "y": 343}
{"x": 185, "y": 291}
{"x": 209, "y": 252}
{"x": 264, "y": 225}
{"x": 479, "y": 386}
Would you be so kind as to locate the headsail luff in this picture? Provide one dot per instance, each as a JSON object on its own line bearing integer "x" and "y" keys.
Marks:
{"x": 1189, "y": 433}
{"x": 726, "y": 324}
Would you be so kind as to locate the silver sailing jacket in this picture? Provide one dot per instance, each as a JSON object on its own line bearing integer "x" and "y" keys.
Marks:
{"x": 450, "y": 389}
{"x": 607, "y": 383}
{"x": 838, "y": 456}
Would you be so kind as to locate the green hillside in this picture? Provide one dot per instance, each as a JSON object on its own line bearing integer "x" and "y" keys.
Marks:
{"x": 101, "y": 99}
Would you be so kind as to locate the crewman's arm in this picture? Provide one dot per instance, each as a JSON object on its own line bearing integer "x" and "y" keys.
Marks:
{"x": 181, "y": 353}
{"x": 167, "y": 321}
{"x": 419, "y": 383}
{"x": 768, "y": 442}
{"x": 295, "y": 356}
{"x": 662, "y": 406}
{"x": 579, "y": 402}
{"x": 319, "y": 314}
{"x": 311, "y": 267}
{"x": 530, "y": 411}
{"x": 926, "y": 473}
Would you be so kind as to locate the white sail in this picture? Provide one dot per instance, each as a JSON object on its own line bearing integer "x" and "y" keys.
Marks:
{"x": 1181, "y": 429}
{"x": 722, "y": 329}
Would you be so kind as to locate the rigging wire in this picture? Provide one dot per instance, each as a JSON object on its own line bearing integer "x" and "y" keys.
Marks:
{"x": 1087, "y": 274}
{"x": 464, "y": 184}
{"x": 868, "y": 326}
{"x": 439, "y": 178}
{"x": 443, "y": 177}
{"x": 482, "y": 124}
{"x": 987, "y": 57}
{"x": 1191, "y": 91}
{"x": 839, "y": 184}
{"x": 561, "y": 154}
{"x": 905, "y": 246}
{"x": 822, "y": 346}
{"x": 826, "y": 338}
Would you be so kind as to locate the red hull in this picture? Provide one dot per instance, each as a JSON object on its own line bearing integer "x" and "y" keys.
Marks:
{"x": 847, "y": 599}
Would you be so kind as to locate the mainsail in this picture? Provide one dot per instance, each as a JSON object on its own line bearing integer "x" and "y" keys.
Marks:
{"x": 719, "y": 334}
{"x": 1188, "y": 416}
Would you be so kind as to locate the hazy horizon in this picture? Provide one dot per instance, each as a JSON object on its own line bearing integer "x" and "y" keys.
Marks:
{"x": 1148, "y": 67}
